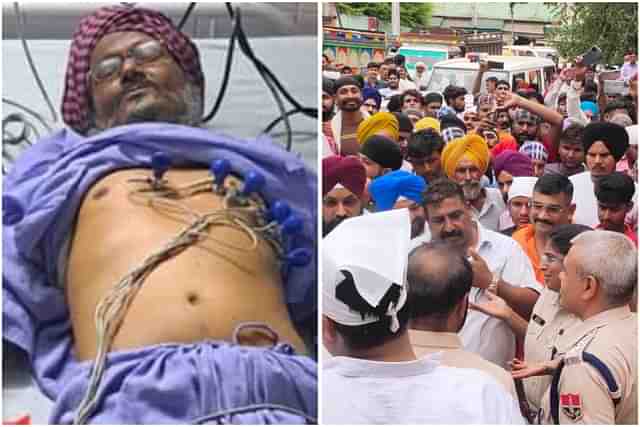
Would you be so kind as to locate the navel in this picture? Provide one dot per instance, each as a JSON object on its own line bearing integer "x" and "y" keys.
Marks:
{"x": 192, "y": 298}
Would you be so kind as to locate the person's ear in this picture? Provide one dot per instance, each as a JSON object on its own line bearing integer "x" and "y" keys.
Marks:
{"x": 572, "y": 211}
{"x": 590, "y": 288}
{"x": 628, "y": 208}
{"x": 329, "y": 333}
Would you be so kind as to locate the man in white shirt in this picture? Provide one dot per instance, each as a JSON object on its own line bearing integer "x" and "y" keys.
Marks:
{"x": 421, "y": 77}
{"x": 374, "y": 376}
{"x": 604, "y": 144}
{"x": 499, "y": 265}
{"x": 393, "y": 88}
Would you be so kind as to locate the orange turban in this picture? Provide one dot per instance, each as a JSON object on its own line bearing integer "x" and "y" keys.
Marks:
{"x": 471, "y": 146}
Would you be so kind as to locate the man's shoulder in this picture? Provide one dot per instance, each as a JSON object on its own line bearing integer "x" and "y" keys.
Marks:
{"x": 553, "y": 168}
{"x": 498, "y": 238}
{"x": 465, "y": 359}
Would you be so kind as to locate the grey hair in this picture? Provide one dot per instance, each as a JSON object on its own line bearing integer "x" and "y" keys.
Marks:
{"x": 612, "y": 259}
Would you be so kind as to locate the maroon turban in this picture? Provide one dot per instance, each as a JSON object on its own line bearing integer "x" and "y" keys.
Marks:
{"x": 348, "y": 171}
{"x": 107, "y": 20}
{"x": 514, "y": 162}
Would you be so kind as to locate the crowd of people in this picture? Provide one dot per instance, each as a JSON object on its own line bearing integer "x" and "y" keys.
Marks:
{"x": 487, "y": 231}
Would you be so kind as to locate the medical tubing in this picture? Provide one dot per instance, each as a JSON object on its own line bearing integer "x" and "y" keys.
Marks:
{"x": 20, "y": 24}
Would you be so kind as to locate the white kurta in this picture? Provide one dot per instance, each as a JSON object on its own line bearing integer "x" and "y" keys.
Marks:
{"x": 357, "y": 391}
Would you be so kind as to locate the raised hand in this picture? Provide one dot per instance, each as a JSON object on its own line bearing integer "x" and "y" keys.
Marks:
{"x": 495, "y": 307}
{"x": 481, "y": 274}
{"x": 520, "y": 369}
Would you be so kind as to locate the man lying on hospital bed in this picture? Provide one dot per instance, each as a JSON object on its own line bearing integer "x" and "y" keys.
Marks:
{"x": 153, "y": 271}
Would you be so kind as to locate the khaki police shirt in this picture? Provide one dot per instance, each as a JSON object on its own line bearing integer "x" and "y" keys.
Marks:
{"x": 548, "y": 323}
{"x": 611, "y": 336}
{"x": 427, "y": 342}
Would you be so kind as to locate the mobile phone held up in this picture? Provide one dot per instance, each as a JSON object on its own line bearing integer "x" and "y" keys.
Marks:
{"x": 592, "y": 56}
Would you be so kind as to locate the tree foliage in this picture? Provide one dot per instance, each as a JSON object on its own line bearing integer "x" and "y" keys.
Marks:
{"x": 613, "y": 27}
{"x": 413, "y": 15}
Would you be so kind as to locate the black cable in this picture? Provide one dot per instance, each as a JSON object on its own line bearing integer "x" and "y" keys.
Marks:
{"x": 28, "y": 110}
{"x": 226, "y": 74}
{"x": 273, "y": 124}
{"x": 186, "y": 15}
{"x": 27, "y": 52}
{"x": 272, "y": 82}
{"x": 269, "y": 79}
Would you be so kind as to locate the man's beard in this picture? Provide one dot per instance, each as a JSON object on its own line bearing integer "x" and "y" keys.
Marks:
{"x": 344, "y": 104}
{"x": 188, "y": 111}
{"x": 417, "y": 226}
{"x": 327, "y": 227}
{"x": 523, "y": 137}
{"x": 471, "y": 190}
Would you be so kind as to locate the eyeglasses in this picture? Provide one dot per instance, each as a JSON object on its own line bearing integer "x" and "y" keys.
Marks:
{"x": 111, "y": 66}
{"x": 551, "y": 209}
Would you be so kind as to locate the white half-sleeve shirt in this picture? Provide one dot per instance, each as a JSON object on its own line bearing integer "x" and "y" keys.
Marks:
{"x": 482, "y": 334}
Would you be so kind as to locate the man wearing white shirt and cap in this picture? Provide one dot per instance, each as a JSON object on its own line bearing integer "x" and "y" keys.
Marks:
{"x": 375, "y": 377}
{"x": 518, "y": 198}
{"x": 499, "y": 264}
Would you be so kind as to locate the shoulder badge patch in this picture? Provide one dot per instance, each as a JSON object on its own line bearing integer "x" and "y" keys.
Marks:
{"x": 571, "y": 405}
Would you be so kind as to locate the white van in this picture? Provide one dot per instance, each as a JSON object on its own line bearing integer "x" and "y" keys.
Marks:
{"x": 537, "y": 51}
{"x": 462, "y": 72}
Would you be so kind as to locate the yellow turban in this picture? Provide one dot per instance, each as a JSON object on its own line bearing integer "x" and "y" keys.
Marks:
{"x": 375, "y": 124}
{"x": 472, "y": 146}
{"x": 426, "y": 123}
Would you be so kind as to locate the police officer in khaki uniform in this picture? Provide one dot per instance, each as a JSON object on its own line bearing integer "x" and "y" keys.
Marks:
{"x": 549, "y": 320}
{"x": 439, "y": 285}
{"x": 596, "y": 380}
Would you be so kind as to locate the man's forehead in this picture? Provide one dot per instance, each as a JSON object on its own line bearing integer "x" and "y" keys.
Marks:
{"x": 599, "y": 147}
{"x": 466, "y": 163}
{"x": 348, "y": 88}
{"x": 340, "y": 193}
{"x": 446, "y": 206}
{"x": 519, "y": 200}
{"x": 559, "y": 198}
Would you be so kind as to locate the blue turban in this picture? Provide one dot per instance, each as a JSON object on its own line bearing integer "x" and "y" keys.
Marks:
{"x": 386, "y": 189}
{"x": 590, "y": 106}
{"x": 372, "y": 93}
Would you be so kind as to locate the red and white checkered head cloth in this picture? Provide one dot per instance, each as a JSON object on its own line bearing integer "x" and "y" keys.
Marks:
{"x": 107, "y": 20}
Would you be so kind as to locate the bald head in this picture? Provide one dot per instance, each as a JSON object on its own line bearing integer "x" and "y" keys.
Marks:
{"x": 439, "y": 277}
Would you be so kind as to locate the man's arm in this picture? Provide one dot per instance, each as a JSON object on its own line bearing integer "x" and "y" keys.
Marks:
{"x": 520, "y": 299}
{"x": 547, "y": 114}
{"x": 477, "y": 83}
{"x": 586, "y": 396}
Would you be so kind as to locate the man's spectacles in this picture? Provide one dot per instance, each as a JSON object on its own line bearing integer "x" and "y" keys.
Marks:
{"x": 550, "y": 259}
{"x": 111, "y": 66}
